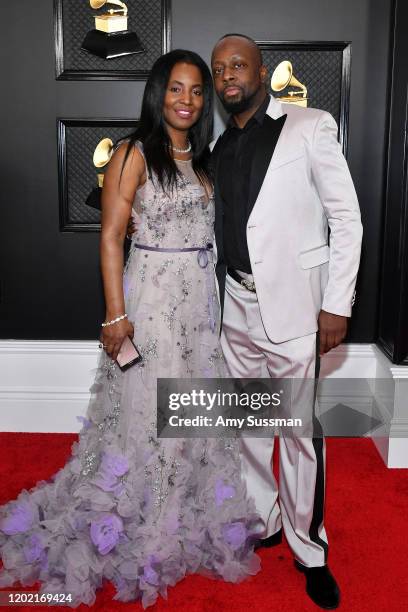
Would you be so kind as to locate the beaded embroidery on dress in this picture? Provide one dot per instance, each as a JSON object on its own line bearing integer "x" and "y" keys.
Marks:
{"x": 127, "y": 506}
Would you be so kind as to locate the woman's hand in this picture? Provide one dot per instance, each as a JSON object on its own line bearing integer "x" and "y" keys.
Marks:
{"x": 112, "y": 336}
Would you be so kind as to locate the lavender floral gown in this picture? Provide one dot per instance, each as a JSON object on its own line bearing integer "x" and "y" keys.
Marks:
{"x": 129, "y": 507}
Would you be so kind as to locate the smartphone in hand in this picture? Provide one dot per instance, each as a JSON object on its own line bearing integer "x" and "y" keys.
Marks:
{"x": 128, "y": 354}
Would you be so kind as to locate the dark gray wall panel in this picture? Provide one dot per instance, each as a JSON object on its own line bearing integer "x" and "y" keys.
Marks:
{"x": 50, "y": 281}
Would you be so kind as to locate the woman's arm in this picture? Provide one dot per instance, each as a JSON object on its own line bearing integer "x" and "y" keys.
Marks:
{"x": 117, "y": 199}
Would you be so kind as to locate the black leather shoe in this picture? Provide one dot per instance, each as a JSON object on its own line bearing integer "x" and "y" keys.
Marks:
{"x": 321, "y": 586}
{"x": 273, "y": 540}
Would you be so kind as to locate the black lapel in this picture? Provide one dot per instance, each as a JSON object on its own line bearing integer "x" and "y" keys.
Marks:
{"x": 219, "y": 205}
{"x": 265, "y": 145}
{"x": 218, "y": 225}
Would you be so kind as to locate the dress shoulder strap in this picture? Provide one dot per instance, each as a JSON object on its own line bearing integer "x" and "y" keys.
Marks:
{"x": 139, "y": 146}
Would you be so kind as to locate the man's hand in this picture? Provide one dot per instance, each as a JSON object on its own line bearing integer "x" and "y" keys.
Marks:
{"x": 332, "y": 330}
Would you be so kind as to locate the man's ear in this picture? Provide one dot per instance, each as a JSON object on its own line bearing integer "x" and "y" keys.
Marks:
{"x": 263, "y": 73}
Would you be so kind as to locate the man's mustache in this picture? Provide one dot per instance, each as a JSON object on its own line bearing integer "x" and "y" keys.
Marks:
{"x": 231, "y": 87}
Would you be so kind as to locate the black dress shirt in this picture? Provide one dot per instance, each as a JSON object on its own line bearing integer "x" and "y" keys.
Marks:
{"x": 234, "y": 175}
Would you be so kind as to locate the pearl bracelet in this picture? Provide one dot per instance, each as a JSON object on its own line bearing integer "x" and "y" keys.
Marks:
{"x": 114, "y": 320}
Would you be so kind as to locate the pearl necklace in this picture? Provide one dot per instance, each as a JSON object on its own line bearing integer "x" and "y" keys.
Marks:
{"x": 182, "y": 150}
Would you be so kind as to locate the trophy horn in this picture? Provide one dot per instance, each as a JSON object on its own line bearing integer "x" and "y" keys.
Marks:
{"x": 103, "y": 152}
{"x": 283, "y": 76}
{"x": 97, "y": 4}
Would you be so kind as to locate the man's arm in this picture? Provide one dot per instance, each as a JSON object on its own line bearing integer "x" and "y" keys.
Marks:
{"x": 339, "y": 200}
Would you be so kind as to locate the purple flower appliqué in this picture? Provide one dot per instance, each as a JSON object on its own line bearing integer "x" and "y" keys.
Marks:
{"x": 105, "y": 532}
{"x": 149, "y": 574}
{"x": 19, "y": 520}
{"x": 34, "y": 549}
{"x": 115, "y": 464}
{"x": 235, "y": 534}
{"x": 111, "y": 468}
{"x": 85, "y": 422}
{"x": 223, "y": 492}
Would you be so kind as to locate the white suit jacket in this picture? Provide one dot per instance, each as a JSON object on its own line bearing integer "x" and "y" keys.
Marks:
{"x": 304, "y": 189}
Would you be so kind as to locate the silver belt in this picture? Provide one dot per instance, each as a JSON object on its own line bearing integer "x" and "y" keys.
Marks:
{"x": 244, "y": 279}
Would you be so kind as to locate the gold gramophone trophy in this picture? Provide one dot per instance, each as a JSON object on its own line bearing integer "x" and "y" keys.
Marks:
{"x": 283, "y": 77}
{"x": 111, "y": 38}
{"x": 102, "y": 154}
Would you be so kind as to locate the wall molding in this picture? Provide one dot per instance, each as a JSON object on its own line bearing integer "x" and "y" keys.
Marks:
{"x": 45, "y": 386}
{"x": 33, "y": 347}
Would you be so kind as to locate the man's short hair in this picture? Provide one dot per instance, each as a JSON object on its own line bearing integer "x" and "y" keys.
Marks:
{"x": 251, "y": 40}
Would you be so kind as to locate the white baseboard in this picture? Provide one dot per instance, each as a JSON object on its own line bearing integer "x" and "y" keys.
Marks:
{"x": 44, "y": 386}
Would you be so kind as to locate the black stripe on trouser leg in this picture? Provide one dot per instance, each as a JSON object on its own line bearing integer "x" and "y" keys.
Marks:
{"x": 318, "y": 505}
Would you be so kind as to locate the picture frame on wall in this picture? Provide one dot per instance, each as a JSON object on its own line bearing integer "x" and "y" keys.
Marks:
{"x": 314, "y": 74}
{"x": 94, "y": 43}
{"x": 84, "y": 149}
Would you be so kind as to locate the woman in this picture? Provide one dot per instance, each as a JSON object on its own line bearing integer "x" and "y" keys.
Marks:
{"x": 130, "y": 507}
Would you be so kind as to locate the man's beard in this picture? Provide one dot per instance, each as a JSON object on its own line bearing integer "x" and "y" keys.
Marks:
{"x": 238, "y": 106}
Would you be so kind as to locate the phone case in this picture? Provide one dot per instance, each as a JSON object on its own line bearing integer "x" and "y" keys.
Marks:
{"x": 128, "y": 354}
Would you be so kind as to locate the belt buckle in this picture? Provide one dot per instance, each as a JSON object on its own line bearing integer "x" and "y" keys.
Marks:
{"x": 250, "y": 285}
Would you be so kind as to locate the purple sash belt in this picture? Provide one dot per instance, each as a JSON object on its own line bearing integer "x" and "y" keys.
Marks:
{"x": 202, "y": 259}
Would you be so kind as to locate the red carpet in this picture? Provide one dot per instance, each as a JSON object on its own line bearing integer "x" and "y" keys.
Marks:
{"x": 366, "y": 521}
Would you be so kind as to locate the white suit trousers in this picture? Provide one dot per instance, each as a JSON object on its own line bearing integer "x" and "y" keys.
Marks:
{"x": 297, "y": 504}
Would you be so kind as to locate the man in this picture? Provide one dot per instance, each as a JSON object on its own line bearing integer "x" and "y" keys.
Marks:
{"x": 280, "y": 182}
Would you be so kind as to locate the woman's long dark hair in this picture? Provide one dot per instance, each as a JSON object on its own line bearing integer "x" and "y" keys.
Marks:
{"x": 152, "y": 131}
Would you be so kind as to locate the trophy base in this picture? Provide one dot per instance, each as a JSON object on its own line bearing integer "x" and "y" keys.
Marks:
{"x": 109, "y": 46}
{"x": 94, "y": 198}
{"x": 293, "y": 100}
